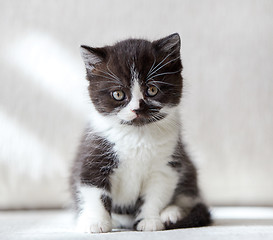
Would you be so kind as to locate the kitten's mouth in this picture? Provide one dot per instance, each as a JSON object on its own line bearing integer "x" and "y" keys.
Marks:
{"x": 141, "y": 120}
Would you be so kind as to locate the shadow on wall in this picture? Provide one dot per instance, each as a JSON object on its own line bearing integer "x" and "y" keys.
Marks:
{"x": 43, "y": 111}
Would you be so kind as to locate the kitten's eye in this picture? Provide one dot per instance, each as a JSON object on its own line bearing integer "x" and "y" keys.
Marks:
{"x": 118, "y": 95}
{"x": 152, "y": 91}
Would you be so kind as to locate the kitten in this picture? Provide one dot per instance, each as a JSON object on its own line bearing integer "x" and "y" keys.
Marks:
{"x": 132, "y": 169}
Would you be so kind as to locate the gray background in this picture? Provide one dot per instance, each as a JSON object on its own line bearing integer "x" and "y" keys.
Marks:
{"x": 227, "y": 54}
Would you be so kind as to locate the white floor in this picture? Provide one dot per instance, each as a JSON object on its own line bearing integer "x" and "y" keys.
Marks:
{"x": 229, "y": 223}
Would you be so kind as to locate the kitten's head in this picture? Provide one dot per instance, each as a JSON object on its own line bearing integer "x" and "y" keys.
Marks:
{"x": 135, "y": 80}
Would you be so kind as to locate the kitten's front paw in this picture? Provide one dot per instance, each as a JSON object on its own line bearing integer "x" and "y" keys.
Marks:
{"x": 171, "y": 214}
{"x": 94, "y": 225}
{"x": 150, "y": 224}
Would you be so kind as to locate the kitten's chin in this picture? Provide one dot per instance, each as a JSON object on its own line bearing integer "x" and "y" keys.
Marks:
{"x": 141, "y": 121}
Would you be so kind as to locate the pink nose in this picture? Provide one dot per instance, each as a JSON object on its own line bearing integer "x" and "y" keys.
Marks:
{"x": 141, "y": 107}
{"x": 136, "y": 111}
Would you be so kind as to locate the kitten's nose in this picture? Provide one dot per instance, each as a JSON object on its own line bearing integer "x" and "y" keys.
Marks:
{"x": 141, "y": 107}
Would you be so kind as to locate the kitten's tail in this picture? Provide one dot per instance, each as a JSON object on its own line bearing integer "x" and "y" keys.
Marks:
{"x": 199, "y": 216}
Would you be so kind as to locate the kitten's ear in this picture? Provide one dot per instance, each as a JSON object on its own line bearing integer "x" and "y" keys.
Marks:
{"x": 169, "y": 44}
{"x": 92, "y": 56}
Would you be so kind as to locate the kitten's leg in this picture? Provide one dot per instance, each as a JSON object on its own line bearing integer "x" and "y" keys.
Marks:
{"x": 95, "y": 206}
{"x": 157, "y": 193}
{"x": 171, "y": 214}
{"x": 186, "y": 211}
{"x": 179, "y": 209}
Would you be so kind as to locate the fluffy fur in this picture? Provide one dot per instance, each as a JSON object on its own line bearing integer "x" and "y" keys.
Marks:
{"x": 132, "y": 169}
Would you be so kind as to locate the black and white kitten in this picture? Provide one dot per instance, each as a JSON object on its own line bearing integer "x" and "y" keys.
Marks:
{"x": 132, "y": 169}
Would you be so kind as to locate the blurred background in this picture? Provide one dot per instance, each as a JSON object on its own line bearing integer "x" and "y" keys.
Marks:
{"x": 227, "y": 53}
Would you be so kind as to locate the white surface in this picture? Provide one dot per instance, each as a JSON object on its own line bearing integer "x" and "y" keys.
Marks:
{"x": 248, "y": 223}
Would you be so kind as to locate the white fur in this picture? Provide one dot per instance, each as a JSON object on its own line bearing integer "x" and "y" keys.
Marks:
{"x": 172, "y": 214}
{"x": 89, "y": 58}
{"x": 150, "y": 224}
{"x": 127, "y": 113}
{"x": 93, "y": 218}
{"x": 143, "y": 154}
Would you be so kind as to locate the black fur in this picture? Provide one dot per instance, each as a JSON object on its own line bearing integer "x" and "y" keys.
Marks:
{"x": 107, "y": 202}
{"x": 187, "y": 184}
{"x": 94, "y": 165}
{"x": 129, "y": 210}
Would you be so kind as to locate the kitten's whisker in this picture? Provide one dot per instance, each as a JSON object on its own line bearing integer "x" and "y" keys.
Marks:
{"x": 112, "y": 72}
{"x": 160, "y": 63}
{"x": 153, "y": 84}
{"x": 99, "y": 75}
{"x": 161, "y": 82}
{"x": 154, "y": 121}
{"x": 164, "y": 65}
{"x": 164, "y": 73}
{"x": 108, "y": 74}
{"x": 104, "y": 89}
{"x": 110, "y": 78}
{"x": 151, "y": 69}
{"x": 105, "y": 81}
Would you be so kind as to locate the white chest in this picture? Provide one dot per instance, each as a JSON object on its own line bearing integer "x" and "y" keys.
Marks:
{"x": 140, "y": 151}
{"x": 140, "y": 154}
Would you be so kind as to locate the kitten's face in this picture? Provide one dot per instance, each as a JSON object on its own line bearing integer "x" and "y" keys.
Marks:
{"x": 136, "y": 81}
